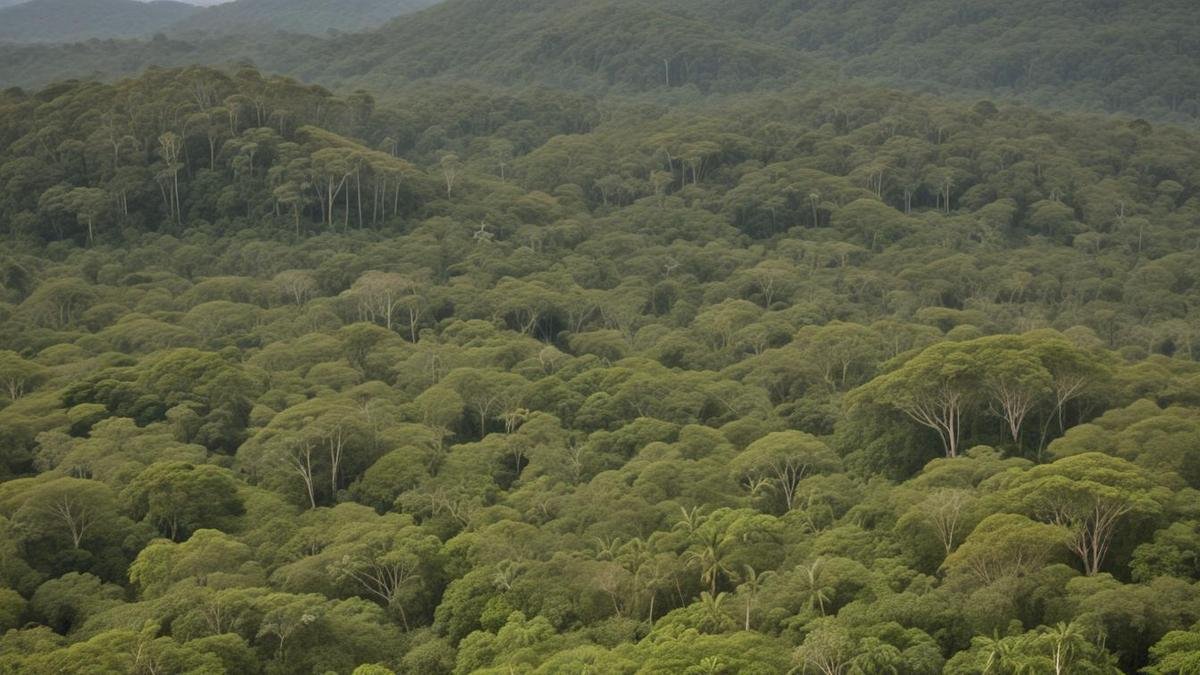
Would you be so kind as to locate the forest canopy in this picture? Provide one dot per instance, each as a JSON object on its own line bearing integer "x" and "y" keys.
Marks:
{"x": 494, "y": 374}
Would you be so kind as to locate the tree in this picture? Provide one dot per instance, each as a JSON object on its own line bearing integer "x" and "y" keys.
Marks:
{"x": 208, "y": 558}
{"x": 67, "y": 602}
{"x": 724, "y": 540}
{"x": 751, "y": 586}
{"x": 329, "y": 169}
{"x": 300, "y": 456}
{"x": 1177, "y": 652}
{"x": 714, "y": 620}
{"x": 841, "y": 350}
{"x": 381, "y": 295}
{"x": 170, "y": 148}
{"x": 1090, "y": 495}
{"x": 947, "y": 511}
{"x": 179, "y": 498}
{"x": 1058, "y": 649}
{"x": 339, "y": 431}
{"x": 18, "y": 376}
{"x": 783, "y": 460}
{"x": 525, "y": 304}
{"x": 935, "y": 388}
{"x": 12, "y": 608}
{"x": 709, "y": 556}
{"x": 452, "y": 169}
{"x": 59, "y": 303}
{"x": 1074, "y": 373}
{"x": 828, "y": 649}
{"x": 298, "y": 286}
{"x": 1005, "y": 545}
{"x": 389, "y": 563}
{"x": 326, "y": 442}
{"x": 440, "y": 408}
{"x": 1015, "y": 380}
{"x": 815, "y": 592}
{"x": 79, "y": 506}
{"x": 870, "y": 223}
{"x": 488, "y": 393}
{"x": 89, "y": 205}
{"x": 286, "y": 616}
{"x": 1065, "y": 641}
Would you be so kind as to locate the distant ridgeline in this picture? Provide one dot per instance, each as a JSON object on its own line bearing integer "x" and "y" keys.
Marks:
{"x": 64, "y": 21}
{"x": 1137, "y": 57}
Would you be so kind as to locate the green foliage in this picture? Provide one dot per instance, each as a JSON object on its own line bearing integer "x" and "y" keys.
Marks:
{"x": 66, "y": 602}
{"x": 444, "y": 377}
{"x": 1177, "y": 652}
{"x": 316, "y": 17}
{"x": 12, "y": 609}
{"x": 179, "y": 498}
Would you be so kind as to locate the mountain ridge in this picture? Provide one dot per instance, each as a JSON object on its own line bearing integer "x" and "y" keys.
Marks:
{"x": 993, "y": 50}
{"x": 70, "y": 20}
{"x": 315, "y": 17}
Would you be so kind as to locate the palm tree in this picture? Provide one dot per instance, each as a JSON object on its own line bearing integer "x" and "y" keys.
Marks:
{"x": 692, "y": 518}
{"x": 751, "y": 585}
{"x": 1064, "y": 640}
{"x": 1007, "y": 655}
{"x": 607, "y": 547}
{"x": 715, "y": 619}
{"x": 506, "y": 573}
{"x": 810, "y": 577}
{"x": 709, "y": 558}
{"x": 652, "y": 577}
{"x": 996, "y": 650}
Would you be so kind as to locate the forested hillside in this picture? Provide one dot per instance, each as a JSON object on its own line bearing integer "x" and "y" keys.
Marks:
{"x": 76, "y": 20}
{"x": 1135, "y": 56}
{"x": 830, "y": 379}
{"x": 316, "y": 17}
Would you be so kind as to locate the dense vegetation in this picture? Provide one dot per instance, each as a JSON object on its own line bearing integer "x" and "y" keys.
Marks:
{"x": 259, "y": 17}
{"x": 72, "y": 20}
{"x": 1136, "y": 56}
{"x": 835, "y": 379}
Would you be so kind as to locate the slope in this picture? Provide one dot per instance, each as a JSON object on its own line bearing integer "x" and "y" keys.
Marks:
{"x": 315, "y": 17}
{"x": 1140, "y": 56}
{"x": 1089, "y": 54}
{"x": 602, "y": 43}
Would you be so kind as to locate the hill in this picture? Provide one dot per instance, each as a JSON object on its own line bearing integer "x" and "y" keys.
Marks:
{"x": 1132, "y": 55}
{"x": 76, "y": 20}
{"x": 598, "y": 44}
{"x": 827, "y": 378}
{"x": 997, "y": 48}
{"x": 1073, "y": 55}
{"x": 316, "y": 17}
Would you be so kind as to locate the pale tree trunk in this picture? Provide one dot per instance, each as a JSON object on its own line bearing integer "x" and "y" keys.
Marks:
{"x": 300, "y": 460}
